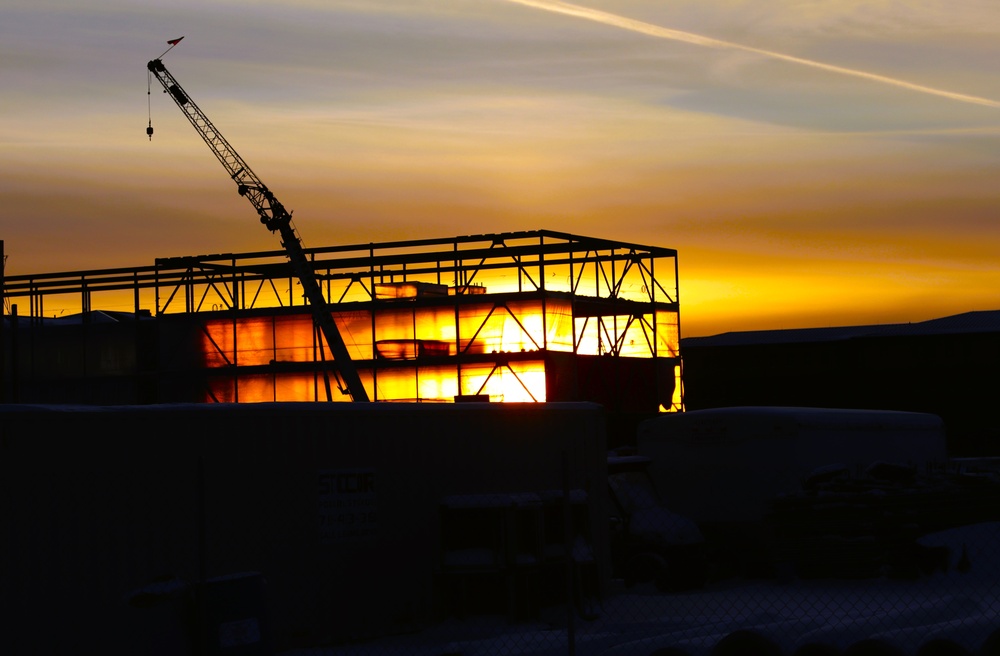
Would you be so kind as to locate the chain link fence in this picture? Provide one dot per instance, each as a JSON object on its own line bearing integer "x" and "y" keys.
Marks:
{"x": 417, "y": 532}
{"x": 892, "y": 559}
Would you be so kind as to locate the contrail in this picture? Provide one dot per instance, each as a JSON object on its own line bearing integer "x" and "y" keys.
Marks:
{"x": 569, "y": 9}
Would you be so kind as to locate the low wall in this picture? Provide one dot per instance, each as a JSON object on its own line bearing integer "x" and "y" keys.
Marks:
{"x": 337, "y": 506}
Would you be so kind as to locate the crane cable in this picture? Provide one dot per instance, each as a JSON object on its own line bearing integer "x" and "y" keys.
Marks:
{"x": 149, "y": 86}
{"x": 149, "y": 103}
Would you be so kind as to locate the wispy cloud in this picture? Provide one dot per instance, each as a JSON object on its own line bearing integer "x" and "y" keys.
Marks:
{"x": 658, "y": 31}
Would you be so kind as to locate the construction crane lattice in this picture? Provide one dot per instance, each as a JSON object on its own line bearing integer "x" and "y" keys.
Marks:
{"x": 276, "y": 218}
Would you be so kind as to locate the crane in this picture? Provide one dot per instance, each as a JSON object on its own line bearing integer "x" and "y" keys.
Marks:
{"x": 276, "y": 218}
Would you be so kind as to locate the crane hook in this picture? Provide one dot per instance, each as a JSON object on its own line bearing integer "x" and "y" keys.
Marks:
{"x": 149, "y": 131}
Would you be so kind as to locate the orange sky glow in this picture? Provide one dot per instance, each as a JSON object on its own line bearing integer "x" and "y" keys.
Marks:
{"x": 796, "y": 194}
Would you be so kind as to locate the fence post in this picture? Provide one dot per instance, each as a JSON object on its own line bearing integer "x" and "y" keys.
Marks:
{"x": 568, "y": 554}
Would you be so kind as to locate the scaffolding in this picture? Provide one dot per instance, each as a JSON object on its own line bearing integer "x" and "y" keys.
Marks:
{"x": 519, "y": 316}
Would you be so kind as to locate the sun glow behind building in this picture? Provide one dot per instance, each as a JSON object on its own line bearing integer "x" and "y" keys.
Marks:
{"x": 513, "y": 317}
{"x": 390, "y": 120}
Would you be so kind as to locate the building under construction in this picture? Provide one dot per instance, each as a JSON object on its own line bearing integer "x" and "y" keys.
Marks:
{"x": 526, "y": 316}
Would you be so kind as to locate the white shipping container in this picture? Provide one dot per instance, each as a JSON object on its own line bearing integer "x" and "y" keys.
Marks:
{"x": 726, "y": 464}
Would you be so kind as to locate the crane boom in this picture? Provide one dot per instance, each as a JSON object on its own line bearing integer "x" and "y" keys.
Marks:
{"x": 277, "y": 219}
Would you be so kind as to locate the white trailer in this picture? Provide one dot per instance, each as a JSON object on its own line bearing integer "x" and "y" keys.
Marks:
{"x": 725, "y": 465}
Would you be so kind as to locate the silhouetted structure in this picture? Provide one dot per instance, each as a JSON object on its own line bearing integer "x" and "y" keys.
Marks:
{"x": 944, "y": 366}
{"x": 526, "y": 316}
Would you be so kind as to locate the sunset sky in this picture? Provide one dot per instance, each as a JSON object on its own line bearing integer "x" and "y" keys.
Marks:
{"x": 814, "y": 162}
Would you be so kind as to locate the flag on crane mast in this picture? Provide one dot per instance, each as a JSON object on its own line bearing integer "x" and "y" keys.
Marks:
{"x": 172, "y": 43}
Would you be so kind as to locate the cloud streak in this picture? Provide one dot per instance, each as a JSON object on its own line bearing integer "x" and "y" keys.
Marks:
{"x": 649, "y": 29}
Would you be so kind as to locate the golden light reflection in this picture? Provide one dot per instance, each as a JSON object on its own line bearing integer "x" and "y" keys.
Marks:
{"x": 516, "y": 382}
{"x": 428, "y": 337}
{"x": 440, "y": 383}
{"x": 397, "y": 384}
{"x": 415, "y": 334}
{"x": 677, "y": 399}
{"x": 256, "y": 389}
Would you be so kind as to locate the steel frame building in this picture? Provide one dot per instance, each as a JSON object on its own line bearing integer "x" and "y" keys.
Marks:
{"x": 520, "y": 316}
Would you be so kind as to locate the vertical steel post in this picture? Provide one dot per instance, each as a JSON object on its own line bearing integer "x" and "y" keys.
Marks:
{"x": 568, "y": 553}
{"x": 14, "y": 397}
{"x": 3, "y": 343}
{"x": 458, "y": 322}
